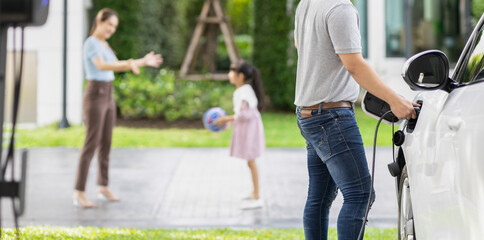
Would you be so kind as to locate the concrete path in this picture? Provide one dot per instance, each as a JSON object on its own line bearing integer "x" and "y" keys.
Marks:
{"x": 184, "y": 187}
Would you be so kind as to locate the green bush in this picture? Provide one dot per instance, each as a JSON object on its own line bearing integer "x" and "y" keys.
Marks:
{"x": 163, "y": 96}
{"x": 274, "y": 52}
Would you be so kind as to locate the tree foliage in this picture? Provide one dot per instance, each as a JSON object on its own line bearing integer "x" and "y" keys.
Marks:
{"x": 124, "y": 42}
{"x": 274, "y": 52}
{"x": 164, "y": 26}
{"x": 477, "y": 9}
{"x": 241, "y": 13}
{"x": 167, "y": 26}
{"x": 150, "y": 25}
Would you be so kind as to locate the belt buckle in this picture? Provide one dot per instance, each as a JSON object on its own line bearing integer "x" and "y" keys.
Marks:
{"x": 306, "y": 113}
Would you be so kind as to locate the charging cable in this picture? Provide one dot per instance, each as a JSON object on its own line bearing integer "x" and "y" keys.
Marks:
{"x": 368, "y": 206}
{"x": 10, "y": 156}
{"x": 360, "y": 236}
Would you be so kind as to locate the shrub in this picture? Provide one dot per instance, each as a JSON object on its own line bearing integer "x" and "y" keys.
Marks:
{"x": 165, "y": 97}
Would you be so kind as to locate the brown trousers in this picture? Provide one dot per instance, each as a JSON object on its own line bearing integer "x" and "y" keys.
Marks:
{"x": 99, "y": 112}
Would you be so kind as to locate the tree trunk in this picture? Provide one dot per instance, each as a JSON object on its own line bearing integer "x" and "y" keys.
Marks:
{"x": 209, "y": 50}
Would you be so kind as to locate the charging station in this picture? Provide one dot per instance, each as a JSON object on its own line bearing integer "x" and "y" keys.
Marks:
{"x": 15, "y": 14}
{"x": 24, "y": 12}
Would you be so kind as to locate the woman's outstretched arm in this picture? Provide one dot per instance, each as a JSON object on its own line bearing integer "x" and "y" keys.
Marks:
{"x": 151, "y": 59}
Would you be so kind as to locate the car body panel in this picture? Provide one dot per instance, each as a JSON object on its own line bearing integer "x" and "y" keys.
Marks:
{"x": 445, "y": 164}
{"x": 440, "y": 157}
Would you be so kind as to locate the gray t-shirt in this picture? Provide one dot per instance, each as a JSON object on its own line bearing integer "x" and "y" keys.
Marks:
{"x": 324, "y": 29}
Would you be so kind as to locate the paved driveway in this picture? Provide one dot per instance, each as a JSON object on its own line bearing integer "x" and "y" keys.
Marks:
{"x": 184, "y": 187}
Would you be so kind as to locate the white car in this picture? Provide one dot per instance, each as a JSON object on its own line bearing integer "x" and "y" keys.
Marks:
{"x": 439, "y": 167}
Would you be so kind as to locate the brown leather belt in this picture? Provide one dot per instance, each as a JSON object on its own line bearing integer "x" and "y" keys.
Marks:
{"x": 307, "y": 111}
{"x": 329, "y": 105}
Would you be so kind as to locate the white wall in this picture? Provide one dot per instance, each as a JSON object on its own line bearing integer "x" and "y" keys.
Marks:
{"x": 47, "y": 41}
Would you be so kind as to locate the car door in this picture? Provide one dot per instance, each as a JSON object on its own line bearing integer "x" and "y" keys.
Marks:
{"x": 445, "y": 154}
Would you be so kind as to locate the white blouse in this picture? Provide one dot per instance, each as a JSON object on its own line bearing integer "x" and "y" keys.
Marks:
{"x": 244, "y": 93}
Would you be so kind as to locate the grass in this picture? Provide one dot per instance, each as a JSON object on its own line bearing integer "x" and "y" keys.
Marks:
{"x": 47, "y": 233}
{"x": 280, "y": 129}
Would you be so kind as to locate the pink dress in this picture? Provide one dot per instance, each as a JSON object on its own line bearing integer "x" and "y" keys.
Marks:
{"x": 248, "y": 141}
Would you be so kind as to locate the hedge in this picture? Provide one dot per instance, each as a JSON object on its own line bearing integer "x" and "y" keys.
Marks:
{"x": 164, "y": 97}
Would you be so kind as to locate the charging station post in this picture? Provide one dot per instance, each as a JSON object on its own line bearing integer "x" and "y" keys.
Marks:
{"x": 15, "y": 13}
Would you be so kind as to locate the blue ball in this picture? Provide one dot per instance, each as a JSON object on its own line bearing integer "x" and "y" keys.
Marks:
{"x": 210, "y": 116}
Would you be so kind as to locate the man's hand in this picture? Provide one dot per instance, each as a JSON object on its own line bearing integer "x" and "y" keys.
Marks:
{"x": 403, "y": 109}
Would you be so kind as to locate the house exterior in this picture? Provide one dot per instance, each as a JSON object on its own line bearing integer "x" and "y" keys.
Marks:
{"x": 392, "y": 30}
{"x": 42, "y": 88}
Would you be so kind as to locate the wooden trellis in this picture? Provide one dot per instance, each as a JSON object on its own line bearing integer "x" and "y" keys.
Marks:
{"x": 212, "y": 13}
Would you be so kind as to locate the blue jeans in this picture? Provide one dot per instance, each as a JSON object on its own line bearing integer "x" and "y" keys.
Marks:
{"x": 336, "y": 160}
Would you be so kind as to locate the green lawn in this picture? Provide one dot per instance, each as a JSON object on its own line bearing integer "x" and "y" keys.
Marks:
{"x": 48, "y": 233}
{"x": 280, "y": 129}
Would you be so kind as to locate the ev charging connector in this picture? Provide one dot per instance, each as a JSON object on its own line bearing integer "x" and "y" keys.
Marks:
{"x": 380, "y": 110}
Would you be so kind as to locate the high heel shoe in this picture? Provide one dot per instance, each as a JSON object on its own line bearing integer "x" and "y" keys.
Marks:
{"x": 77, "y": 203}
{"x": 107, "y": 197}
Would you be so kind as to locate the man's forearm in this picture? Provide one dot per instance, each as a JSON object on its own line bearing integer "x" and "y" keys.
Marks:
{"x": 367, "y": 78}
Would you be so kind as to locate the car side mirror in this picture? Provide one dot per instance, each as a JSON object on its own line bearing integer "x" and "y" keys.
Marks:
{"x": 427, "y": 70}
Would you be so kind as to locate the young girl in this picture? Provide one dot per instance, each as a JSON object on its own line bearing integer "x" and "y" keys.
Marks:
{"x": 248, "y": 132}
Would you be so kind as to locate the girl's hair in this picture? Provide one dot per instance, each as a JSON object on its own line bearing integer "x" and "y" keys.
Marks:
{"x": 103, "y": 15}
{"x": 252, "y": 77}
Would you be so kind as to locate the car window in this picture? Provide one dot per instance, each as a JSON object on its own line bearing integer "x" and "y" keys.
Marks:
{"x": 474, "y": 70}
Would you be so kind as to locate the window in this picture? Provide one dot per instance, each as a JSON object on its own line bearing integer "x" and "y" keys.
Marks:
{"x": 436, "y": 25}
{"x": 474, "y": 68}
{"x": 395, "y": 28}
{"x": 432, "y": 24}
{"x": 27, "y": 112}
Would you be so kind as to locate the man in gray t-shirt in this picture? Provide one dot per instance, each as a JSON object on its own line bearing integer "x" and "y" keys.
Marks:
{"x": 326, "y": 29}
{"x": 329, "y": 72}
